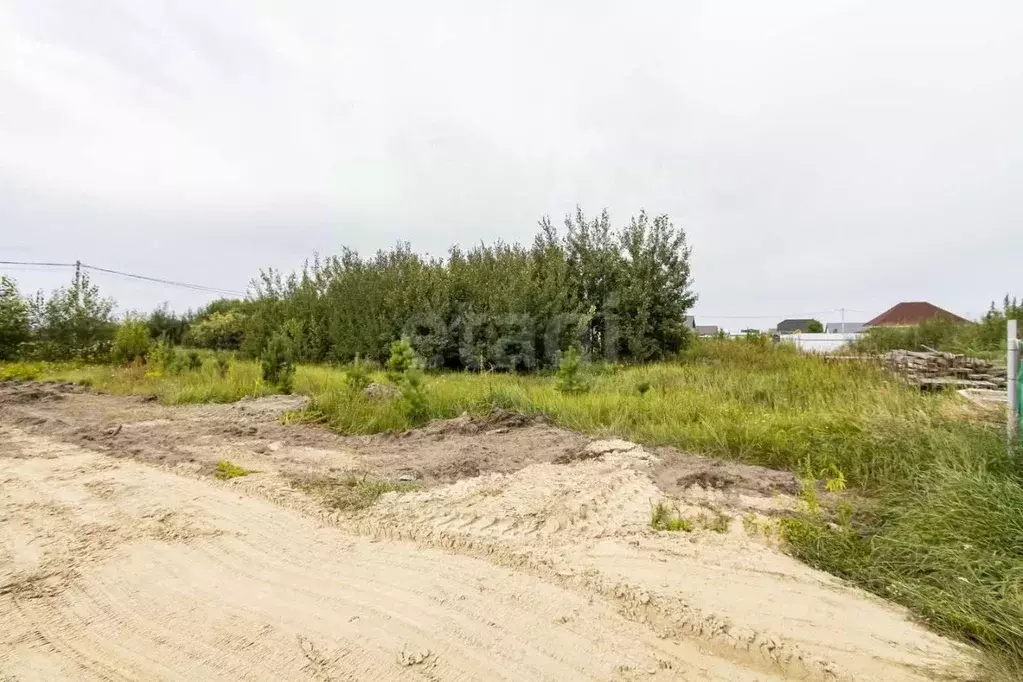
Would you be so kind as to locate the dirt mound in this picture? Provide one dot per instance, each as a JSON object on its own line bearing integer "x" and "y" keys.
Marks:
{"x": 25, "y": 392}
{"x": 677, "y": 472}
{"x": 587, "y": 526}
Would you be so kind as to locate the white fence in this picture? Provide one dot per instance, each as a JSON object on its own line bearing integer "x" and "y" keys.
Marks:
{"x": 820, "y": 343}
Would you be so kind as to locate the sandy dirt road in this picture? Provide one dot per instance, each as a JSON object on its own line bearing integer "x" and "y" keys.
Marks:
{"x": 527, "y": 556}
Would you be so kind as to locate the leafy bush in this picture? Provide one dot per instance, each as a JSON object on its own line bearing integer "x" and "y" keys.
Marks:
{"x": 164, "y": 323}
{"x": 74, "y": 323}
{"x": 220, "y": 331}
{"x": 194, "y": 361}
{"x": 815, "y": 327}
{"x": 131, "y": 342}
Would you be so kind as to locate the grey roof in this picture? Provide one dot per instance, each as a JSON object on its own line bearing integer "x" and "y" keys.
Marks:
{"x": 690, "y": 322}
{"x": 794, "y": 325}
{"x": 706, "y": 329}
{"x": 850, "y": 327}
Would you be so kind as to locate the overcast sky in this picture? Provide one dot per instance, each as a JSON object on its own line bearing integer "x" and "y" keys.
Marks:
{"x": 820, "y": 154}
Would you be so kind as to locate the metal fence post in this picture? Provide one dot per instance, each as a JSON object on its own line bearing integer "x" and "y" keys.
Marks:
{"x": 1012, "y": 358}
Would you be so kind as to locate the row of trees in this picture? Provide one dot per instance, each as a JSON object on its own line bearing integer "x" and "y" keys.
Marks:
{"x": 73, "y": 322}
{"x": 620, "y": 294}
{"x": 617, "y": 294}
{"x": 77, "y": 323}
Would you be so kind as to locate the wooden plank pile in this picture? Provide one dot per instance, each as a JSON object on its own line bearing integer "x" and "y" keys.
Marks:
{"x": 936, "y": 370}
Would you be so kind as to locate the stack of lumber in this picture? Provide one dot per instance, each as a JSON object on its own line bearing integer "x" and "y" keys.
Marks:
{"x": 937, "y": 370}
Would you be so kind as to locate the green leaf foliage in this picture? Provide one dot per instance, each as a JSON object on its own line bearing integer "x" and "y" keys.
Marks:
{"x": 131, "y": 342}
{"x": 14, "y": 319}
{"x": 617, "y": 294}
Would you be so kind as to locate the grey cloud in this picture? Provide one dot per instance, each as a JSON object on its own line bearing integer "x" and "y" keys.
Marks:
{"x": 820, "y": 154}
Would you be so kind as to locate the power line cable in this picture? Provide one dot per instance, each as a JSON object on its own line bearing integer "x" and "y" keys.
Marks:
{"x": 52, "y": 265}
{"x": 193, "y": 287}
{"x": 158, "y": 280}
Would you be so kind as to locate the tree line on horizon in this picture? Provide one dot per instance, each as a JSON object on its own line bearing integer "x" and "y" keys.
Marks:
{"x": 612, "y": 294}
{"x": 620, "y": 294}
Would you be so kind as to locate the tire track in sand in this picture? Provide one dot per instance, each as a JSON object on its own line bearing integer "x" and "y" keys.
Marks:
{"x": 239, "y": 588}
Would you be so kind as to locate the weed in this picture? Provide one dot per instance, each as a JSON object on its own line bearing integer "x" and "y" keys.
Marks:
{"x": 227, "y": 470}
{"x": 194, "y": 361}
{"x": 357, "y": 375}
{"x": 22, "y": 371}
{"x": 353, "y": 493}
{"x": 720, "y": 523}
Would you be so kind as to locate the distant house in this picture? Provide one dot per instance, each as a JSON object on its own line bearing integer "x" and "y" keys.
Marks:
{"x": 912, "y": 312}
{"x": 700, "y": 329}
{"x": 793, "y": 326}
{"x": 843, "y": 327}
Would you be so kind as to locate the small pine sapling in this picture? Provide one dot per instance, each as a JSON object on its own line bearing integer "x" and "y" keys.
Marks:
{"x": 570, "y": 378}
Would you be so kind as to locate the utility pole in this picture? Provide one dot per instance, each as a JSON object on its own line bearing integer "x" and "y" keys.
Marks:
{"x": 78, "y": 282}
{"x": 843, "y": 320}
{"x": 1013, "y": 379}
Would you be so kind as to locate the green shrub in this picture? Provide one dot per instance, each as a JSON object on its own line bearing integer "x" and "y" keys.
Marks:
{"x": 414, "y": 400}
{"x": 220, "y": 331}
{"x": 570, "y": 378}
{"x": 194, "y": 361}
{"x": 74, "y": 323}
{"x": 278, "y": 363}
{"x": 402, "y": 358}
{"x": 14, "y": 320}
{"x": 404, "y": 372}
{"x": 131, "y": 343}
{"x": 164, "y": 355}
{"x": 357, "y": 375}
{"x": 223, "y": 364}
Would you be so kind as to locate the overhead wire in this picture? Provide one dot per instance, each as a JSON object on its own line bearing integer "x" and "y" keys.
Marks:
{"x": 158, "y": 280}
{"x": 40, "y": 265}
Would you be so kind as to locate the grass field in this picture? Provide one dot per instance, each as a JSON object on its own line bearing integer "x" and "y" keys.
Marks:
{"x": 932, "y": 516}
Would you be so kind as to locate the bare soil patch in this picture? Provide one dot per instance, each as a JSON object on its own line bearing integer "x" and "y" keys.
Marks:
{"x": 501, "y": 548}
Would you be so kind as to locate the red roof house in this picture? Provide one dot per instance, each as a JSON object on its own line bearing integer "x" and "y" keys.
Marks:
{"x": 912, "y": 312}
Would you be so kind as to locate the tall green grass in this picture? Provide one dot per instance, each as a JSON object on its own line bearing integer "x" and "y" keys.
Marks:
{"x": 938, "y": 518}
